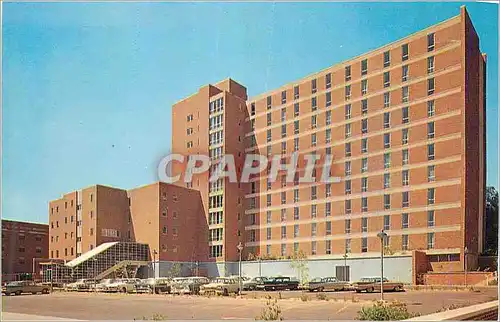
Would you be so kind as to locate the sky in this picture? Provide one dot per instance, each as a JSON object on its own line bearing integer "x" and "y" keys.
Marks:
{"x": 88, "y": 87}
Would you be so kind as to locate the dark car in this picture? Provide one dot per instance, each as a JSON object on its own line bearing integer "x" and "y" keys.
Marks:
{"x": 278, "y": 283}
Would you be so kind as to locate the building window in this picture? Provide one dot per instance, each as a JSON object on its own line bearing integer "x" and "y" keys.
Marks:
{"x": 387, "y": 160}
{"x": 313, "y": 248}
{"x": 387, "y": 140}
{"x": 348, "y": 226}
{"x": 406, "y": 177}
{"x": 430, "y": 65}
{"x": 404, "y": 52}
{"x": 364, "y": 126}
{"x": 91, "y": 231}
{"x": 430, "y": 42}
{"x": 404, "y": 73}
{"x": 296, "y": 127}
{"x": 348, "y": 149}
{"x": 283, "y": 131}
{"x": 348, "y": 111}
{"x": 314, "y": 104}
{"x": 430, "y": 86}
{"x": 364, "y": 225}
{"x": 404, "y": 220}
{"x": 430, "y": 240}
{"x": 430, "y": 151}
{"x": 268, "y": 249}
{"x": 430, "y": 130}
{"x": 364, "y": 106}
{"x": 328, "y": 209}
{"x": 364, "y": 86}
{"x": 283, "y": 197}
{"x": 430, "y": 108}
{"x": 405, "y": 157}
{"x": 347, "y": 168}
{"x": 328, "y": 135}
{"x": 328, "y": 190}
{"x": 431, "y": 173}
{"x": 387, "y": 59}
{"x": 296, "y": 213}
{"x": 364, "y": 204}
{"x": 387, "y": 202}
{"x": 283, "y": 249}
{"x": 404, "y": 242}
{"x": 387, "y": 222}
{"x": 406, "y": 115}
{"x": 295, "y": 144}
{"x": 314, "y": 192}
{"x": 283, "y": 214}
{"x": 328, "y": 117}
{"x": 283, "y": 232}
{"x": 364, "y": 184}
{"x": 387, "y": 99}
{"x": 387, "y": 180}
{"x": 328, "y": 80}
{"x": 328, "y": 247}
{"x": 364, "y": 67}
{"x": 387, "y": 79}
{"x": 296, "y": 92}
{"x": 295, "y": 247}
{"x": 387, "y": 120}
{"x": 347, "y": 206}
{"x": 348, "y": 92}
{"x": 348, "y": 246}
{"x": 313, "y": 86}
{"x": 364, "y": 145}
{"x": 328, "y": 99}
{"x": 404, "y": 136}
{"x": 252, "y": 109}
{"x": 328, "y": 228}
{"x": 364, "y": 165}
{"x": 405, "y": 94}
{"x": 431, "y": 196}
{"x": 295, "y": 231}
{"x": 347, "y": 187}
{"x": 283, "y": 97}
{"x": 313, "y": 139}
{"x": 314, "y": 229}
{"x": 364, "y": 245}
{"x": 314, "y": 121}
{"x": 405, "y": 199}
{"x": 347, "y": 73}
{"x": 430, "y": 218}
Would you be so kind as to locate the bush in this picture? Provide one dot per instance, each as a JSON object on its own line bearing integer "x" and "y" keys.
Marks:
{"x": 381, "y": 311}
{"x": 321, "y": 296}
{"x": 304, "y": 298}
{"x": 155, "y": 317}
{"x": 271, "y": 312}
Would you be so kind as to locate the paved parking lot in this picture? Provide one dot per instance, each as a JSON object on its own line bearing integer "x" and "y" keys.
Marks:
{"x": 341, "y": 305}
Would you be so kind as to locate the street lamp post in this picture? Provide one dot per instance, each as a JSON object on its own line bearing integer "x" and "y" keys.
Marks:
{"x": 382, "y": 235}
{"x": 345, "y": 267}
{"x": 240, "y": 250}
{"x": 465, "y": 265}
{"x": 154, "y": 270}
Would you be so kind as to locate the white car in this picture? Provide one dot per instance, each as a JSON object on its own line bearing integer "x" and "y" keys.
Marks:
{"x": 122, "y": 285}
{"x": 103, "y": 284}
{"x": 188, "y": 285}
{"x": 79, "y": 285}
{"x": 220, "y": 286}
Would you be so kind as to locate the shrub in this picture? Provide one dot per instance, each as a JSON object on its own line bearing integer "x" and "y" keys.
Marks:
{"x": 271, "y": 312}
{"x": 154, "y": 317}
{"x": 381, "y": 311}
{"x": 321, "y": 296}
{"x": 304, "y": 297}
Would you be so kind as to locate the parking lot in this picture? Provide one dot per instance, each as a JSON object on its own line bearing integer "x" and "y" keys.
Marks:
{"x": 294, "y": 304}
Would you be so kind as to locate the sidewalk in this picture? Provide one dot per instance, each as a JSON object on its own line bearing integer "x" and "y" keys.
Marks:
{"x": 7, "y": 316}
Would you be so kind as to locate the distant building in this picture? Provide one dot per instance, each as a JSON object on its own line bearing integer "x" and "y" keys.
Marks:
{"x": 23, "y": 244}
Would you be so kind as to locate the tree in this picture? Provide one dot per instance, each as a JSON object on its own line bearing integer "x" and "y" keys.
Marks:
{"x": 491, "y": 221}
{"x": 300, "y": 263}
{"x": 175, "y": 270}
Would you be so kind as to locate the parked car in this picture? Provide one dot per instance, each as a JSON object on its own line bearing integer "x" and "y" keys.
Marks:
{"x": 123, "y": 285}
{"x": 188, "y": 285}
{"x": 249, "y": 284}
{"x": 278, "y": 283}
{"x": 221, "y": 286}
{"x": 321, "y": 284}
{"x": 80, "y": 285}
{"x": 160, "y": 284}
{"x": 101, "y": 286}
{"x": 20, "y": 287}
{"x": 370, "y": 284}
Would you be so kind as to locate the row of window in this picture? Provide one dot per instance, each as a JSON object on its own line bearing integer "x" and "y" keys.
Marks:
{"x": 405, "y": 219}
{"x": 348, "y": 249}
{"x": 65, "y": 252}
{"x": 216, "y": 106}
{"x": 405, "y": 203}
{"x": 364, "y": 71}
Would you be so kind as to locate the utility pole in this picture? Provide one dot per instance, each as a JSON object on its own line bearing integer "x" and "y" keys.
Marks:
{"x": 382, "y": 235}
{"x": 240, "y": 250}
{"x": 154, "y": 270}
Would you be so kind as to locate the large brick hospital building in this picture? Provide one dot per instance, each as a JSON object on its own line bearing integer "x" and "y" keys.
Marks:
{"x": 405, "y": 124}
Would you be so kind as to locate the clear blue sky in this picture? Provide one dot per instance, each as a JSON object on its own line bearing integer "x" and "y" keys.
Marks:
{"x": 88, "y": 87}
